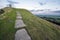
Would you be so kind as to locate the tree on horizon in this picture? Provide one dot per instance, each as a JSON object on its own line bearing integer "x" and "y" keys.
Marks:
{"x": 11, "y": 3}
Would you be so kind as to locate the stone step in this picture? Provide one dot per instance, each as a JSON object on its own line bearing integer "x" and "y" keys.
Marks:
{"x": 18, "y": 13}
{"x": 19, "y": 24}
{"x": 19, "y": 17}
{"x": 22, "y": 35}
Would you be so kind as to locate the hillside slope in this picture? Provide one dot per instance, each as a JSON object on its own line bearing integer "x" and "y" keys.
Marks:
{"x": 38, "y": 28}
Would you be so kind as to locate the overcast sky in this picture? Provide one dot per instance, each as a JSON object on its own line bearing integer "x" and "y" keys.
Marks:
{"x": 33, "y": 4}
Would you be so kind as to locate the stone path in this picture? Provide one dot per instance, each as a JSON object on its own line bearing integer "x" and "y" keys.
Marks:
{"x": 21, "y": 34}
{"x": 19, "y": 23}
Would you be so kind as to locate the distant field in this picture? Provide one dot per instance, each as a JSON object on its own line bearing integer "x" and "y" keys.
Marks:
{"x": 52, "y": 18}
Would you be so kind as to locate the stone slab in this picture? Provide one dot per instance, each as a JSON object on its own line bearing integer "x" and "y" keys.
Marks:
{"x": 19, "y": 17}
{"x": 22, "y": 35}
{"x": 19, "y": 24}
{"x": 18, "y": 13}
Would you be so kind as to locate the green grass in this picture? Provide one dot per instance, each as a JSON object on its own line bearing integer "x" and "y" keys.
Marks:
{"x": 7, "y": 30}
{"x": 38, "y": 28}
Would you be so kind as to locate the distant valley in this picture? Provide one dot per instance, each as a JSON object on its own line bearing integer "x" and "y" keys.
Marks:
{"x": 45, "y": 12}
{"x": 51, "y": 16}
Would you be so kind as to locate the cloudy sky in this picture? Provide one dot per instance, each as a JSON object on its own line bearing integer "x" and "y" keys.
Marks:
{"x": 33, "y": 4}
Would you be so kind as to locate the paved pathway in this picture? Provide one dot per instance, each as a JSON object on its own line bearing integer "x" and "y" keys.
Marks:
{"x": 21, "y": 34}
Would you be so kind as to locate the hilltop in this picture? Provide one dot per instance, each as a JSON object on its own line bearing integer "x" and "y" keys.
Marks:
{"x": 37, "y": 28}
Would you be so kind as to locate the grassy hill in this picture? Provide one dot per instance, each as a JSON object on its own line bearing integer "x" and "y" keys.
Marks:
{"x": 37, "y": 28}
